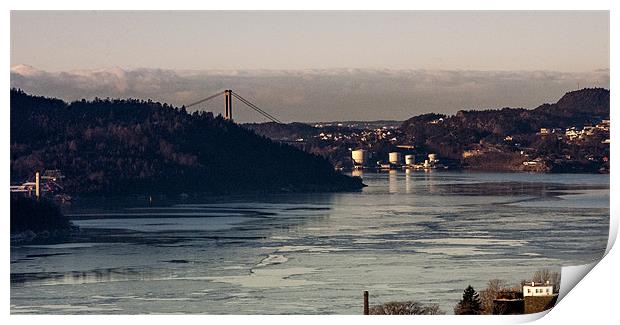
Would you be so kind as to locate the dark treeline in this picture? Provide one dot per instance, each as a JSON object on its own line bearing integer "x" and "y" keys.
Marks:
{"x": 114, "y": 146}
{"x": 289, "y": 131}
{"x": 36, "y": 216}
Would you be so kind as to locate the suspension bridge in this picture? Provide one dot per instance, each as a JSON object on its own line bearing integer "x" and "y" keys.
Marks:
{"x": 228, "y": 104}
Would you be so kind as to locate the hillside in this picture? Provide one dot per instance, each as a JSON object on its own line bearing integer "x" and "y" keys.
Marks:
{"x": 580, "y": 106}
{"x": 506, "y": 139}
{"x": 281, "y": 131}
{"x": 133, "y": 146}
{"x": 497, "y": 139}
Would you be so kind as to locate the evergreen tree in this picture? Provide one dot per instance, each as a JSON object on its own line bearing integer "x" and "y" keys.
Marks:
{"x": 130, "y": 146}
{"x": 470, "y": 304}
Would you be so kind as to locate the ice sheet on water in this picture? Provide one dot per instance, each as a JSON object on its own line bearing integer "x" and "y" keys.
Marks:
{"x": 63, "y": 246}
{"x": 151, "y": 215}
{"x": 311, "y": 249}
{"x": 585, "y": 199}
{"x": 269, "y": 278}
{"x": 409, "y": 242}
{"x": 455, "y": 251}
{"x": 272, "y": 259}
{"x": 164, "y": 224}
{"x": 472, "y": 241}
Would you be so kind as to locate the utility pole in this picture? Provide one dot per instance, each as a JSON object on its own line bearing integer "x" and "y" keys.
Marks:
{"x": 366, "y": 309}
{"x": 37, "y": 185}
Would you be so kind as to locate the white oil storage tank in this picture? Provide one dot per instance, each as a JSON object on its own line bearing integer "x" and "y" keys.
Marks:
{"x": 395, "y": 158}
{"x": 359, "y": 156}
{"x": 409, "y": 160}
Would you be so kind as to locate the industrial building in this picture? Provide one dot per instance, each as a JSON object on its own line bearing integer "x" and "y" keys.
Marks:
{"x": 409, "y": 160}
{"x": 359, "y": 157}
{"x": 395, "y": 158}
{"x": 46, "y": 184}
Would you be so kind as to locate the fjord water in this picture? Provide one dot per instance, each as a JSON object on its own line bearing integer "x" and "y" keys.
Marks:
{"x": 419, "y": 236}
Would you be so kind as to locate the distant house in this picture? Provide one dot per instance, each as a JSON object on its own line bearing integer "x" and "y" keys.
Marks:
{"x": 436, "y": 121}
{"x": 538, "y": 297}
{"x": 534, "y": 162}
{"x": 537, "y": 289}
{"x": 544, "y": 131}
{"x": 604, "y": 125}
{"x": 588, "y": 130}
{"x": 471, "y": 153}
{"x": 572, "y": 133}
{"x": 535, "y": 298}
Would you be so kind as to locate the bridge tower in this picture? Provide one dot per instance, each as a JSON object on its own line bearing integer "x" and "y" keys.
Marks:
{"x": 228, "y": 99}
{"x": 228, "y": 96}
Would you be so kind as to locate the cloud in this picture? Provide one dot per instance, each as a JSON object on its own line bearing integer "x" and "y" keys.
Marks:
{"x": 317, "y": 94}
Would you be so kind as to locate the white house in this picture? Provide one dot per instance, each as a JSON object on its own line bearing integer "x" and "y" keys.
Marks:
{"x": 537, "y": 289}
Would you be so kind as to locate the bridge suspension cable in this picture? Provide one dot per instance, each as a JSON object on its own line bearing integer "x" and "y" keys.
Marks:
{"x": 205, "y": 99}
{"x": 243, "y": 100}
{"x": 256, "y": 108}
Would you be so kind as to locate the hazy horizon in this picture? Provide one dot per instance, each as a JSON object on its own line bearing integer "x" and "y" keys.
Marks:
{"x": 316, "y": 65}
{"x": 317, "y": 95}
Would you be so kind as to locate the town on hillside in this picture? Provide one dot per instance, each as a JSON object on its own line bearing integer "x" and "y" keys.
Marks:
{"x": 571, "y": 135}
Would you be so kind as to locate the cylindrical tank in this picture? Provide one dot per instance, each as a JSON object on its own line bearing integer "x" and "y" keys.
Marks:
{"x": 394, "y": 158}
{"x": 432, "y": 157}
{"x": 359, "y": 156}
{"x": 409, "y": 160}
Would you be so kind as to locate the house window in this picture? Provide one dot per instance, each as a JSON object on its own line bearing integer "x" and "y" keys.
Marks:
{"x": 528, "y": 290}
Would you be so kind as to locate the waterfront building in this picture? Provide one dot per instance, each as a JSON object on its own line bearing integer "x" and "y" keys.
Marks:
{"x": 359, "y": 157}
{"x": 395, "y": 158}
{"x": 537, "y": 289}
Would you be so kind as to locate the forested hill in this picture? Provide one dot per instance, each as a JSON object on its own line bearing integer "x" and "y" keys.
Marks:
{"x": 449, "y": 136}
{"x": 134, "y": 146}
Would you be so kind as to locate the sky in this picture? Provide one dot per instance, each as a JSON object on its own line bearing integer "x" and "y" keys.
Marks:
{"x": 377, "y": 65}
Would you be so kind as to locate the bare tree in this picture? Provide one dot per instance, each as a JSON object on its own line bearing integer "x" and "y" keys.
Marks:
{"x": 405, "y": 308}
{"x": 494, "y": 288}
{"x": 556, "y": 280}
{"x": 544, "y": 275}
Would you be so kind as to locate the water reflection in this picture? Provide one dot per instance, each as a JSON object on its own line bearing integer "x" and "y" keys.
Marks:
{"x": 408, "y": 181}
{"x": 393, "y": 181}
{"x": 79, "y": 277}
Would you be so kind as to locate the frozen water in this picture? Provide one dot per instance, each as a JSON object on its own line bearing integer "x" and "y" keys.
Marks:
{"x": 407, "y": 236}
